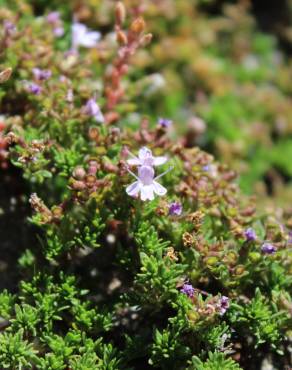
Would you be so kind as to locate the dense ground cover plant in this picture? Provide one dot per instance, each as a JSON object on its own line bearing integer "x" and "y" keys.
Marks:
{"x": 220, "y": 68}
{"x": 148, "y": 254}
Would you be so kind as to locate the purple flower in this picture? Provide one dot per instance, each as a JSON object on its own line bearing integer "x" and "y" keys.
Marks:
{"x": 250, "y": 234}
{"x": 41, "y": 74}
{"x": 9, "y": 27}
{"x": 53, "y": 17}
{"x": 268, "y": 248}
{"x": 206, "y": 168}
{"x": 188, "y": 289}
{"x": 146, "y": 184}
{"x": 145, "y": 158}
{"x": 164, "y": 122}
{"x": 175, "y": 209}
{"x": 58, "y": 31}
{"x": 34, "y": 88}
{"x": 92, "y": 109}
{"x": 82, "y": 36}
{"x": 223, "y": 305}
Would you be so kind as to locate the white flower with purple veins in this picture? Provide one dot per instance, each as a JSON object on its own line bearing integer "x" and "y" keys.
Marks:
{"x": 82, "y": 36}
{"x": 92, "y": 109}
{"x": 146, "y": 184}
{"x": 145, "y": 158}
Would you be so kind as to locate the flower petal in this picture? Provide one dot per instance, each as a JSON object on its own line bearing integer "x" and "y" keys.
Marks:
{"x": 147, "y": 192}
{"x": 144, "y": 153}
{"x": 134, "y": 162}
{"x": 159, "y": 189}
{"x": 133, "y": 189}
{"x": 157, "y": 161}
{"x": 89, "y": 40}
{"x": 99, "y": 117}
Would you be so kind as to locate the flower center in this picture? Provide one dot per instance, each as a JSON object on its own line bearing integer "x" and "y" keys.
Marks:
{"x": 146, "y": 174}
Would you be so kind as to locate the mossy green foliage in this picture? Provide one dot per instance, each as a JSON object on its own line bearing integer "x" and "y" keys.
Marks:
{"x": 103, "y": 286}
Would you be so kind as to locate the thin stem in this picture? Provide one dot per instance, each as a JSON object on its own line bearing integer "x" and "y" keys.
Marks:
{"x": 132, "y": 173}
{"x": 133, "y": 155}
{"x": 163, "y": 173}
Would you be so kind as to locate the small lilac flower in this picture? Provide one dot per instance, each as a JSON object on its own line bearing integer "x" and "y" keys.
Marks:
{"x": 268, "y": 248}
{"x": 70, "y": 96}
{"x": 223, "y": 305}
{"x": 188, "y": 289}
{"x": 164, "y": 122}
{"x": 34, "y": 88}
{"x": 58, "y": 31}
{"x": 82, "y": 36}
{"x": 9, "y": 27}
{"x": 53, "y": 17}
{"x": 250, "y": 234}
{"x": 41, "y": 74}
{"x": 175, "y": 209}
{"x": 92, "y": 109}
{"x": 146, "y": 184}
{"x": 211, "y": 169}
{"x": 145, "y": 158}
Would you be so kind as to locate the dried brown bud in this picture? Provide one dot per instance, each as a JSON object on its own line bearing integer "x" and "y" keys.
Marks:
{"x": 11, "y": 138}
{"x": 57, "y": 212}
{"x": 5, "y": 75}
{"x": 138, "y": 25}
{"x": 90, "y": 180}
{"x": 171, "y": 254}
{"x": 93, "y": 133}
{"x": 122, "y": 38}
{"x": 39, "y": 206}
{"x": 188, "y": 239}
{"x": 196, "y": 219}
{"x": 120, "y": 13}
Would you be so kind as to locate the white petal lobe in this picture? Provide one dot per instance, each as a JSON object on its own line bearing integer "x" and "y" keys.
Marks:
{"x": 133, "y": 189}
{"x": 159, "y": 189}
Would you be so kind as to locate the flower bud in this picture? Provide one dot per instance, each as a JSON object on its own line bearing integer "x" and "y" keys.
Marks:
{"x": 79, "y": 173}
{"x": 57, "y": 212}
{"x": 239, "y": 270}
{"x": 120, "y": 13}
{"x": 231, "y": 257}
{"x": 193, "y": 316}
{"x": 93, "y": 167}
{"x": 138, "y": 25}
{"x": 122, "y": 38}
{"x": 254, "y": 256}
{"x": 90, "y": 180}
{"x": 211, "y": 261}
{"x": 93, "y": 133}
{"x": 78, "y": 185}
